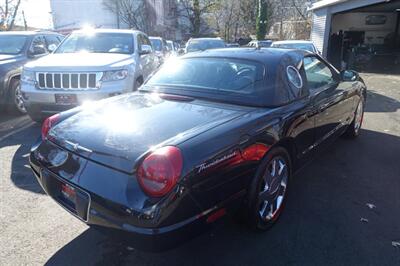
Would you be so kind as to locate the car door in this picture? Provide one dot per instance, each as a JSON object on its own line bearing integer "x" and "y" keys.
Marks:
{"x": 329, "y": 98}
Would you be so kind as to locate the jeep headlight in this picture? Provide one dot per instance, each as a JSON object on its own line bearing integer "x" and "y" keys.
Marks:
{"x": 114, "y": 75}
{"x": 28, "y": 76}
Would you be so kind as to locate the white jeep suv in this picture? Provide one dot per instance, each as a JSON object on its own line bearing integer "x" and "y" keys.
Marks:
{"x": 88, "y": 65}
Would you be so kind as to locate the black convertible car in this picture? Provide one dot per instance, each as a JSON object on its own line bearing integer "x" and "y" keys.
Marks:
{"x": 209, "y": 133}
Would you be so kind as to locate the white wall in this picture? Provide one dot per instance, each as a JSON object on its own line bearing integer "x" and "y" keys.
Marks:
{"x": 374, "y": 34}
{"x": 320, "y": 29}
{"x": 69, "y": 14}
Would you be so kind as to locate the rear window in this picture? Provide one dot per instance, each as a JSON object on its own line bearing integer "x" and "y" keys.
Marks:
{"x": 231, "y": 80}
{"x": 200, "y": 45}
{"x": 300, "y": 46}
{"x": 157, "y": 44}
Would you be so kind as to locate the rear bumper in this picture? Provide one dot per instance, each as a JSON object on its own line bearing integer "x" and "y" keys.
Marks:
{"x": 110, "y": 217}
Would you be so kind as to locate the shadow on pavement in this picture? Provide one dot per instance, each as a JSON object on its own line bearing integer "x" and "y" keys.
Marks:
{"x": 380, "y": 103}
{"x": 21, "y": 174}
{"x": 321, "y": 223}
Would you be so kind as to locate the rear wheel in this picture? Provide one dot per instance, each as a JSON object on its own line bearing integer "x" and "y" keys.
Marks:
{"x": 267, "y": 194}
{"x": 16, "y": 104}
{"x": 353, "y": 130}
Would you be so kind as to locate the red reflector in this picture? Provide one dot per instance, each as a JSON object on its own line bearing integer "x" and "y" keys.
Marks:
{"x": 216, "y": 215}
{"x": 48, "y": 124}
{"x": 254, "y": 152}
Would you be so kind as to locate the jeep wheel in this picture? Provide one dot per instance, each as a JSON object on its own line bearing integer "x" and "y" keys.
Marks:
{"x": 16, "y": 104}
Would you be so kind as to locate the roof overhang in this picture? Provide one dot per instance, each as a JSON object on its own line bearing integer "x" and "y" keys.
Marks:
{"x": 325, "y": 3}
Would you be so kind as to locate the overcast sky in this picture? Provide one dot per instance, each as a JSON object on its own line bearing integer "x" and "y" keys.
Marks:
{"x": 37, "y": 13}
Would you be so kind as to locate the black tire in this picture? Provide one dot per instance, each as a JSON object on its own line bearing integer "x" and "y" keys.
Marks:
{"x": 138, "y": 83}
{"x": 255, "y": 216}
{"x": 15, "y": 104}
{"x": 353, "y": 130}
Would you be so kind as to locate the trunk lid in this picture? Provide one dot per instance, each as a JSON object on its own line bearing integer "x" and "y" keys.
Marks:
{"x": 117, "y": 131}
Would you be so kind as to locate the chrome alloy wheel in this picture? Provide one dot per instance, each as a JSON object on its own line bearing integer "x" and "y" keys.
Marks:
{"x": 19, "y": 102}
{"x": 359, "y": 116}
{"x": 273, "y": 188}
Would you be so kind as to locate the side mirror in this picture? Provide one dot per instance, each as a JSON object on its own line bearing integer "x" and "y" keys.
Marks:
{"x": 181, "y": 51}
{"x": 38, "y": 50}
{"x": 349, "y": 75}
{"x": 145, "y": 49}
{"x": 52, "y": 47}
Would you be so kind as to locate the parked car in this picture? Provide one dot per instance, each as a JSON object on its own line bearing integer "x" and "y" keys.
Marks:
{"x": 262, "y": 43}
{"x": 293, "y": 44}
{"x": 216, "y": 134}
{"x": 202, "y": 44}
{"x": 172, "y": 47}
{"x": 16, "y": 49}
{"x": 88, "y": 65}
{"x": 160, "y": 47}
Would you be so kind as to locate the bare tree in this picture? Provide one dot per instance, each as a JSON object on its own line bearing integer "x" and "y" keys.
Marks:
{"x": 194, "y": 12}
{"x": 290, "y": 19}
{"x": 8, "y": 13}
{"x": 234, "y": 18}
{"x": 131, "y": 12}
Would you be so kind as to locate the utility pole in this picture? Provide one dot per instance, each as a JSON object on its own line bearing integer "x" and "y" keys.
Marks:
{"x": 117, "y": 7}
{"x": 25, "y": 24}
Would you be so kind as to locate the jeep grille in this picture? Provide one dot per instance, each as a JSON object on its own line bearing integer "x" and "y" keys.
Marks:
{"x": 69, "y": 81}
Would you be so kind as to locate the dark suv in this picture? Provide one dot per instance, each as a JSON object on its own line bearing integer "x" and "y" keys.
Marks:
{"x": 16, "y": 49}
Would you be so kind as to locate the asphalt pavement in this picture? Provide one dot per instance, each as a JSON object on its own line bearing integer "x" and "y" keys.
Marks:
{"x": 342, "y": 209}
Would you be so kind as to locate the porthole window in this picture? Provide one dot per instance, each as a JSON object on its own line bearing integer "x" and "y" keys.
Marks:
{"x": 294, "y": 77}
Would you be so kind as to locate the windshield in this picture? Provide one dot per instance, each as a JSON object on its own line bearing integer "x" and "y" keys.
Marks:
{"x": 200, "y": 45}
{"x": 12, "y": 44}
{"x": 120, "y": 43}
{"x": 230, "y": 80}
{"x": 157, "y": 44}
{"x": 301, "y": 46}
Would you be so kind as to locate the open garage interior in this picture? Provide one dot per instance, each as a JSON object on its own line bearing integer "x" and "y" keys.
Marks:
{"x": 366, "y": 39}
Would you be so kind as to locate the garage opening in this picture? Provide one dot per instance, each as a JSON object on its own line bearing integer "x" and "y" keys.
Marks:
{"x": 367, "y": 39}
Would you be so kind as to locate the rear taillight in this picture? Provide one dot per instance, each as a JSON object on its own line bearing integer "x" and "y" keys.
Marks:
{"x": 159, "y": 172}
{"x": 48, "y": 124}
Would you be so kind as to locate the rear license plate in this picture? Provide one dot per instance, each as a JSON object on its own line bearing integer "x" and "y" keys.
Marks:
{"x": 68, "y": 193}
{"x": 74, "y": 199}
{"x": 66, "y": 99}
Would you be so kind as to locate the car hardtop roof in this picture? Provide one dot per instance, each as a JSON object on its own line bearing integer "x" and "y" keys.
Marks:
{"x": 107, "y": 31}
{"x": 155, "y": 37}
{"x": 264, "y": 55}
{"x": 293, "y": 41}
